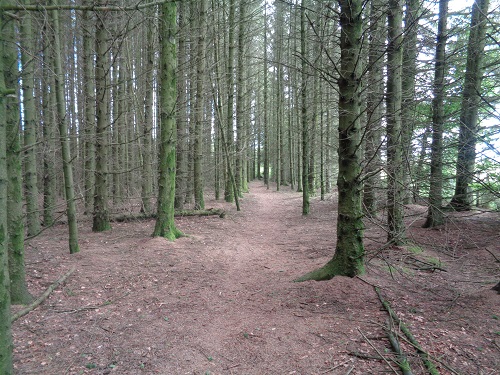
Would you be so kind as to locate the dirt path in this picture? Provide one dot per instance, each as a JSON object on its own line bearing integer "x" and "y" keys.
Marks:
{"x": 220, "y": 301}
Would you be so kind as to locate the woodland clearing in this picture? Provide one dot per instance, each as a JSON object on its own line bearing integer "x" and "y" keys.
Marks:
{"x": 222, "y": 299}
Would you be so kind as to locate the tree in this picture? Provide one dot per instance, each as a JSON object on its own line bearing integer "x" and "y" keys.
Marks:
{"x": 374, "y": 105}
{"x": 348, "y": 259}
{"x": 395, "y": 211}
{"x": 5, "y": 325}
{"x": 101, "y": 215}
{"x": 69, "y": 187}
{"x": 30, "y": 166}
{"x": 165, "y": 225}
{"x": 471, "y": 98}
{"x": 15, "y": 218}
{"x": 89, "y": 107}
{"x": 305, "y": 133}
{"x": 199, "y": 201}
{"x": 435, "y": 213}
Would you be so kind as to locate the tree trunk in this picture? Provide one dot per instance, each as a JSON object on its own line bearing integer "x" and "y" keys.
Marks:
{"x": 101, "y": 215}
{"x": 409, "y": 111}
{"x": 30, "y": 166}
{"x": 471, "y": 98}
{"x": 15, "y": 220}
{"x": 49, "y": 131}
{"x": 147, "y": 167}
{"x": 69, "y": 186}
{"x": 349, "y": 253}
{"x": 181, "y": 123}
{"x": 165, "y": 225}
{"x": 304, "y": 124}
{"x": 374, "y": 105}
{"x": 89, "y": 98}
{"x": 228, "y": 189}
{"x": 395, "y": 212}
{"x": 6, "y": 346}
{"x": 199, "y": 201}
{"x": 435, "y": 213}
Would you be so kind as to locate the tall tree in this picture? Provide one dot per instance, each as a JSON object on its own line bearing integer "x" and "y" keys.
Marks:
{"x": 69, "y": 186}
{"x": 30, "y": 166}
{"x": 228, "y": 189}
{"x": 348, "y": 259}
{"x": 199, "y": 201}
{"x": 374, "y": 105}
{"x": 89, "y": 108}
{"x": 394, "y": 126}
{"x": 147, "y": 167}
{"x": 101, "y": 214}
{"x": 18, "y": 290}
{"x": 5, "y": 325}
{"x": 435, "y": 213}
{"x": 165, "y": 225}
{"x": 304, "y": 124}
{"x": 413, "y": 9}
{"x": 471, "y": 99}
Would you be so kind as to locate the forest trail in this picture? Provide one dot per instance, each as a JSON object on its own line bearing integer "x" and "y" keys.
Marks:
{"x": 222, "y": 300}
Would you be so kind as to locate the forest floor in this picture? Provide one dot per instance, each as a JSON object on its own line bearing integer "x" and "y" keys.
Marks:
{"x": 222, "y": 300}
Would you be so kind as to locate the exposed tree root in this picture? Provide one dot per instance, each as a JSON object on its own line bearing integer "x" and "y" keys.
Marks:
{"x": 132, "y": 217}
{"x": 425, "y": 357}
{"x": 43, "y": 297}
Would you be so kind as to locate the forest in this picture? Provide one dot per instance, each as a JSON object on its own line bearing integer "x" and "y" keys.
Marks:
{"x": 175, "y": 176}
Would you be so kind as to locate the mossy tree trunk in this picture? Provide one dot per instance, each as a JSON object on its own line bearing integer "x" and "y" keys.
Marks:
{"x": 181, "y": 123}
{"x": 435, "y": 213}
{"x": 348, "y": 259}
{"x": 395, "y": 212}
{"x": 101, "y": 214}
{"x": 165, "y": 225}
{"x": 30, "y": 165}
{"x": 15, "y": 220}
{"x": 199, "y": 201}
{"x": 471, "y": 98}
{"x": 5, "y": 325}
{"x": 69, "y": 186}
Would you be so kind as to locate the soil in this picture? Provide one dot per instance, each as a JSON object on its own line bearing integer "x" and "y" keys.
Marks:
{"x": 222, "y": 300}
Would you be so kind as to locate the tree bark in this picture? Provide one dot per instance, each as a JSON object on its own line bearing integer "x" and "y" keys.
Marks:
{"x": 69, "y": 186}
{"x": 30, "y": 165}
{"x": 348, "y": 259}
{"x": 199, "y": 201}
{"x": 165, "y": 224}
{"x": 471, "y": 98}
{"x": 374, "y": 105}
{"x": 101, "y": 214}
{"x": 395, "y": 212}
{"x": 6, "y": 346}
{"x": 435, "y": 213}
{"x": 304, "y": 124}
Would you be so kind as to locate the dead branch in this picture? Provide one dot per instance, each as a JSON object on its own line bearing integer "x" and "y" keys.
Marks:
{"x": 43, "y": 297}
{"x": 132, "y": 217}
{"x": 425, "y": 357}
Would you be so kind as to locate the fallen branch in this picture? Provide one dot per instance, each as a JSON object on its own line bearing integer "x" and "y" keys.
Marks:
{"x": 378, "y": 352}
{"x": 402, "y": 361}
{"x": 43, "y": 297}
{"x": 425, "y": 357}
{"x": 182, "y": 213}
